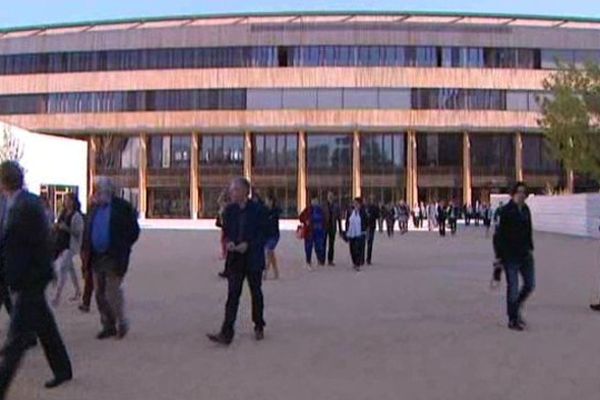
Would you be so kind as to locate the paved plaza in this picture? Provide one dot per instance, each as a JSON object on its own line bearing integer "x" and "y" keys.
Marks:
{"x": 422, "y": 323}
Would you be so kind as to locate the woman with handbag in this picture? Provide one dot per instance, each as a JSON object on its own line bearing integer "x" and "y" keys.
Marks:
{"x": 69, "y": 232}
{"x": 313, "y": 232}
{"x": 356, "y": 230}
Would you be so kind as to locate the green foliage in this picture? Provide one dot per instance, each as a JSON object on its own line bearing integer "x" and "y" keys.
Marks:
{"x": 10, "y": 147}
{"x": 571, "y": 116}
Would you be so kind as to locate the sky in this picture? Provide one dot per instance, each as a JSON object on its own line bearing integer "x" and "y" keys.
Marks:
{"x": 36, "y": 12}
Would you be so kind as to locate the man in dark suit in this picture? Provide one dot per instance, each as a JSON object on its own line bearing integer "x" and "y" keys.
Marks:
{"x": 244, "y": 224}
{"x": 514, "y": 248}
{"x": 373, "y": 215}
{"x": 333, "y": 223}
{"x": 5, "y": 299}
{"x": 26, "y": 258}
{"x": 111, "y": 230}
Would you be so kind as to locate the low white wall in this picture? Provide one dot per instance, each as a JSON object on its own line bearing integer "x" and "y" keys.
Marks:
{"x": 577, "y": 214}
{"x": 51, "y": 160}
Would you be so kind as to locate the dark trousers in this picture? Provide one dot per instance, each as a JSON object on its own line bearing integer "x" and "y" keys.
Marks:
{"x": 442, "y": 227}
{"x": 237, "y": 272}
{"x": 390, "y": 226}
{"x": 467, "y": 219}
{"x": 330, "y": 245}
{"x": 5, "y": 298}
{"x": 515, "y": 298}
{"x": 370, "y": 240}
{"x": 357, "y": 250}
{"x": 32, "y": 314}
{"x": 88, "y": 286}
{"x": 453, "y": 225}
{"x": 317, "y": 241}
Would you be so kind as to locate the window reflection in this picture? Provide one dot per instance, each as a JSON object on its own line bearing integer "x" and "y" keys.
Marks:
{"x": 492, "y": 164}
{"x": 221, "y": 159}
{"x": 439, "y": 166}
{"x": 275, "y": 168}
{"x": 118, "y": 157}
{"x": 329, "y": 164}
{"x": 383, "y": 166}
{"x": 169, "y": 176}
{"x": 541, "y": 170}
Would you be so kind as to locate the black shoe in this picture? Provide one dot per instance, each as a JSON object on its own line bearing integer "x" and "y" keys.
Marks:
{"x": 220, "y": 338}
{"x": 83, "y": 308}
{"x": 122, "y": 331}
{"x": 106, "y": 333}
{"x": 595, "y": 307}
{"x": 259, "y": 334}
{"x": 51, "y": 384}
{"x": 223, "y": 275}
{"x": 369, "y": 263}
{"x": 515, "y": 326}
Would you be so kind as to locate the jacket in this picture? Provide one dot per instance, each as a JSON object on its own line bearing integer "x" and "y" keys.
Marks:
{"x": 363, "y": 219}
{"x": 514, "y": 234}
{"x": 253, "y": 230}
{"x": 124, "y": 232}
{"x": 25, "y": 247}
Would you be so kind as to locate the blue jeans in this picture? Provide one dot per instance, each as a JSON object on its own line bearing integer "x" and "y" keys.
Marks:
{"x": 515, "y": 297}
{"x": 317, "y": 240}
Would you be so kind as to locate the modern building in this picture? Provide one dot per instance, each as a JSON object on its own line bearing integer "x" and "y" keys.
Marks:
{"x": 401, "y": 105}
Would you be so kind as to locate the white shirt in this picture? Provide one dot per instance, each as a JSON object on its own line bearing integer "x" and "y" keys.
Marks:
{"x": 354, "y": 225}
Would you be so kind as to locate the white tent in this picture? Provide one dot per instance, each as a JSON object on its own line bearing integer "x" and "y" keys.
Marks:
{"x": 48, "y": 161}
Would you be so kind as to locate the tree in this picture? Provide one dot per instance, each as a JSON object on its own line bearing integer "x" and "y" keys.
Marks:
{"x": 10, "y": 147}
{"x": 571, "y": 118}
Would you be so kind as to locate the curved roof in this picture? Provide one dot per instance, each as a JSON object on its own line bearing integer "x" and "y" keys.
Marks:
{"x": 314, "y": 17}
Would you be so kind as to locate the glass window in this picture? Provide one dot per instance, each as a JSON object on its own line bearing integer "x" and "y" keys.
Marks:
{"x": 329, "y": 99}
{"x": 221, "y": 159}
{"x": 300, "y": 98}
{"x": 394, "y": 99}
{"x": 265, "y": 99}
{"x": 360, "y": 98}
{"x": 552, "y": 58}
{"x": 329, "y": 164}
{"x": 492, "y": 164}
{"x": 382, "y": 163}
{"x": 275, "y": 169}
{"x": 517, "y": 101}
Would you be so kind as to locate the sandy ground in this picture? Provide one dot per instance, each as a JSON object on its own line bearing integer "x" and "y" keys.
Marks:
{"x": 421, "y": 323}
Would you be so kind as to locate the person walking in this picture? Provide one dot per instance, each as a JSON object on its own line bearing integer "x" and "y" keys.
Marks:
{"x": 244, "y": 224}
{"x": 381, "y": 216}
{"x": 69, "y": 230}
{"x": 25, "y": 255}
{"x": 514, "y": 246}
{"x": 431, "y": 216}
{"x": 486, "y": 213}
{"x": 111, "y": 231}
{"x": 403, "y": 215}
{"x": 356, "y": 230}
{"x": 372, "y": 215}
{"x": 313, "y": 232}
{"x": 390, "y": 218}
{"x": 272, "y": 236}
{"x": 333, "y": 223}
{"x": 453, "y": 214}
{"x": 442, "y": 215}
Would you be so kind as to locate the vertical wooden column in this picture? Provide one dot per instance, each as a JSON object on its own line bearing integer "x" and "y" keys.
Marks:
{"x": 467, "y": 183}
{"x": 248, "y": 155}
{"x": 519, "y": 157}
{"x": 570, "y": 181}
{"x": 412, "y": 191}
{"x": 356, "y": 175}
{"x": 194, "y": 177}
{"x": 143, "y": 176}
{"x": 92, "y": 171}
{"x": 302, "y": 182}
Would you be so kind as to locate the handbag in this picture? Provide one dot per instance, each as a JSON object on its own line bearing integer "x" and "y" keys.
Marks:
{"x": 300, "y": 233}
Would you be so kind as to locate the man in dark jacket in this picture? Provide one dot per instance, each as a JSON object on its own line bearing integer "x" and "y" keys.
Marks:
{"x": 27, "y": 265}
{"x": 372, "y": 217}
{"x": 244, "y": 224}
{"x": 514, "y": 246}
{"x": 333, "y": 223}
{"x": 111, "y": 230}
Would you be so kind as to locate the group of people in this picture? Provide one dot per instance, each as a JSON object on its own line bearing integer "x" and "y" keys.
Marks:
{"x": 35, "y": 250}
{"x": 320, "y": 224}
{"x": 439, "y": 216}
